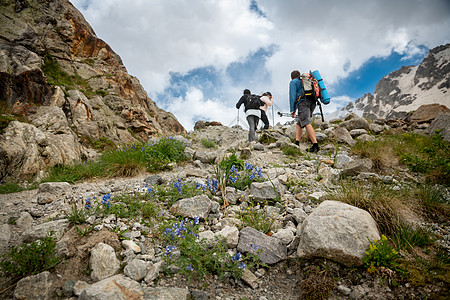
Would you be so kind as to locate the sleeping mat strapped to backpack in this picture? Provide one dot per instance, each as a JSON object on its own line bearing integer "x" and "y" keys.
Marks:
{"x": 324, "y": 97}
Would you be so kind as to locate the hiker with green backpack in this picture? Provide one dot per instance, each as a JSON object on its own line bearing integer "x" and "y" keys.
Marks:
{"x": 305, "y": 103}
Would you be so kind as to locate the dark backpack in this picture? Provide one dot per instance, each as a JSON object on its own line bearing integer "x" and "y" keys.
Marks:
{"x": 253, "y": 102}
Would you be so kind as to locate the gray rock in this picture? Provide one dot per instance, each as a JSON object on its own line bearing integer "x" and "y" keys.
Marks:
{"x": 103, "y": 262}
{"x": 342, "y": 135}
{"x": 39, "y": 232}
{"x": 230, "y": 236}
{"x": 25, "y": 221}
{"x": 153, "y": 180}
{"x": 442, "y": 121}
{"x": 357, "y": 166}
{"x": 357, "y": 132}
{"x": 136, "y": 269}
{"x": 286, "y": 236}
{"x": 115, "y": 287}
{"x": 166, "y": 293}
{"x": 341, "y": 160}
{"x": 35, "y": 287}
{"x": 249, "y": 278}
{"x": 54, "y": 187}
{"x": 153, "y": 271}
{"x": 366, "y": 138}
{"x": 198, "y": 206}
{"x": 339, "y": 232}
{"x": 272, "y": 249}
{"x": 205, "y": 157}
{"x": 266, "y": 190}
{"x": 355, "y": 123}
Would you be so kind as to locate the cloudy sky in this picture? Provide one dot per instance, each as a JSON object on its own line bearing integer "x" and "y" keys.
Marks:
{"x": 195, "y": 57}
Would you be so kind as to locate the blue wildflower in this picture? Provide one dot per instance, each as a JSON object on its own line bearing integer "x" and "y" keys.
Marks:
{"x": 236, "y": 257}
{"x": 88, "y": 204}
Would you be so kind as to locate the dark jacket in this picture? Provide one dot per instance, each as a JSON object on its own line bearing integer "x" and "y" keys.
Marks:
{"x": 241, "y": 101}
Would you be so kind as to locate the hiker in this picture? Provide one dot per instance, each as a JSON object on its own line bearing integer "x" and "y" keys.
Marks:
{"x": 305, "y": 106}
{"x": 268, "y": 101}
{"x": 252, "y": 104}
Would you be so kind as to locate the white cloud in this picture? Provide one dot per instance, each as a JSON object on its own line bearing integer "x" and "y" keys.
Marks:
{"x": 195, "y": 106}
{"x": 156, "y": 37}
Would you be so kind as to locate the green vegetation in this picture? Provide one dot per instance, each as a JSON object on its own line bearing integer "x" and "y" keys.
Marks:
{"x": 422, "y": 154}
{"x": 57, "y": 76}
{"x": 382, "y": 201}
{"x": 29, "y": 259}
{"x": 197, "y": 259}
{"x": 380, "y": 254}
{"x": 291, "y": 151}
{"x": 208, "y": 143}
{"x": 126, "y": 161}
{"x": 6, "y": 116}
{"x": 100, "y": 144}
{"x": 256, "y": 218}
{"x": 10, "y": 187}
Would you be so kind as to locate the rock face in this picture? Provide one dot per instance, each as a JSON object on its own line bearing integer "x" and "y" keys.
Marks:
{"x": 407, "y": 89}
{"x": 62, "y": 89}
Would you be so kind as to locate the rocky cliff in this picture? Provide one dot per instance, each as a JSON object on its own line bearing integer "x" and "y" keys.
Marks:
{"x": 64, "y": 91}
{"x": 407, "y": 89}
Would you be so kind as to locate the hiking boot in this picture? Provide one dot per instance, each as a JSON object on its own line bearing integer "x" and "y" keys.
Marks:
{"x": 314, "y": 148}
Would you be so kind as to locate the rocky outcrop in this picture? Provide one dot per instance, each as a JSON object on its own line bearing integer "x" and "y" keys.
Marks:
{"x": 62, "y": 89}
{"x": 306, "y": 224}
{"x": 407, "y": 89}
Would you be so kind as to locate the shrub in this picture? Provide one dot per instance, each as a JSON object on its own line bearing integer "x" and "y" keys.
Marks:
{"x": 79, "y": 215}
{"x": 380, "y": 254}
{"x": 256, "y": 218}
{"x": 291, "y": 151}
{"x": 242, "y": 180}
{"x": 380, "y": 200}
{"x": 434, "y": 201}
{"x": 29, "y": 259}
{"x": 75, "y": 172}
{"x": 431, "y": 158}
{"x": 317, "y": 284}
{"x": 208, "y": 143}
{"x": 10, "y": 187}
{"x": 407, "y": 237}
{"x": 195, "y": 258}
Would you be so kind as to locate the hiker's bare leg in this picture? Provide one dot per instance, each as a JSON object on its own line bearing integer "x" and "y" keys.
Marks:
{"x": 311, "y": 133}
{"x": 298, "y": 132}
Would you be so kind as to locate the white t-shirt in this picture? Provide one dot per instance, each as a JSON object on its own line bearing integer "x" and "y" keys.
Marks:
{"x": 267, "y": 102}
{"x": 253, "y": 112}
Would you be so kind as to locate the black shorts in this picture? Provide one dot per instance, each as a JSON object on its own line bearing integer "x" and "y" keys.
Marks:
{"x": 305, "y": 111}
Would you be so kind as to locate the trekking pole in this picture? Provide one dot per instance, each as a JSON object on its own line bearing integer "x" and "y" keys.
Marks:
{"x": 282, "y": 114}
{"x": 320, "y": 107}
{"x": 273, "y": 119}
{"x": 237, "y": 122}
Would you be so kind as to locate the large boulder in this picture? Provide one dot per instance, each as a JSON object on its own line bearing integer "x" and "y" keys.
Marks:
{"x": 428, "y": 112}
{"x": 442, "y": 121}
{"x": 339, "y": 232}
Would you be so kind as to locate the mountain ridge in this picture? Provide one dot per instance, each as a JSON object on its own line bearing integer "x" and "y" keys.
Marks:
{"x": 407, "y": 88}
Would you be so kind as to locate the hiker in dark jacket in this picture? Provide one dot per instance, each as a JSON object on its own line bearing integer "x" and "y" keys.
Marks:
{"x": 253, "y": 115}
{"x": 305, "y": 106}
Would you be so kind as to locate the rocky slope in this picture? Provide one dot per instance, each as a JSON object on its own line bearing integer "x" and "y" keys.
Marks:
{"x": 316, "y": 245}
{"x": 406, "y": 89}
{"x": 63, "y": 91}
